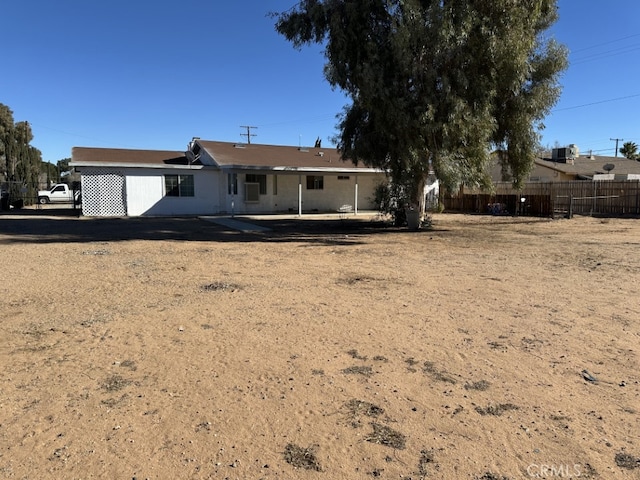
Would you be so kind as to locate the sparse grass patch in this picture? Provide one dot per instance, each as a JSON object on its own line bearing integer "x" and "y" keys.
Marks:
{"x": 411, "y": 363}
{"x": 354, "y": 354}
{"x": 496, "y": 410}
{"x": 353, "y": 279}
{"x": 383, "y": 435}
{"x": 497, "y": 346}
{"x": 480, "y": 385}
{"x": 302, "y": 457}
{"x": 358, "y": 407}
{"x": 96, "y": 252}
{"x": 491, "y": 476}
{"x": 94, "y": 320}
{"x": 426, "y": 458}
{"x": 130, "y": 364}
{"x": 440, "y": 376}
{"x": 115, "y": 383}
{"x": 624, "y": 460}
{"x": 114, "y": 402}
{"x": 220, "y": 287}
{"x": 203, "y": 426}
{"x": 363, "y": 370}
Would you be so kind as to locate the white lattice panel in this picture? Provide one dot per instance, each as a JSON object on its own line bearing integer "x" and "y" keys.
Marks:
{"x": 103, "y": 193}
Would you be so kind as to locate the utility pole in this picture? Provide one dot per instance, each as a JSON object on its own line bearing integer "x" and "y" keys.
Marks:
{"x": 248, "y": 134}
{"x": 616, "y": 140}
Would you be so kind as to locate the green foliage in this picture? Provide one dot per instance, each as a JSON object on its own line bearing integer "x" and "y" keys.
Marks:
{"x": 436, "y": 81}
{"x": 63, "y": 166}
{"x": 20, "y": 163}
{"x": 392, "y": 199}
{"x": 630, "y": 150}
{"x": 50, "y": 172}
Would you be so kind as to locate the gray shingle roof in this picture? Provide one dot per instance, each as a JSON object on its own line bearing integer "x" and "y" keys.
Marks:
{"x": 590, "y": 165}
{"x": 224, "y": 155}
{"x": 85, "y": 156}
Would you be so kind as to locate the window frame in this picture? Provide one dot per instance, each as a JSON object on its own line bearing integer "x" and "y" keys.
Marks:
{"x": 179, "y": 186}
{"x": 315, "y": 182}
{"x": 259, "y": 178}
{"x": 232, "y": 184}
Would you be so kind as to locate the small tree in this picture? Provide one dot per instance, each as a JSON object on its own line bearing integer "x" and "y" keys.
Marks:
{"x": 630, "y": 150}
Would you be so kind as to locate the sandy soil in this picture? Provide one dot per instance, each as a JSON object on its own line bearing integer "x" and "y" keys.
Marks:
{"x": 485, "y": 348}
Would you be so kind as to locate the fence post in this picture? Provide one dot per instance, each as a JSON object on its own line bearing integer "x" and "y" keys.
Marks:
{"x": 570, "y": 214}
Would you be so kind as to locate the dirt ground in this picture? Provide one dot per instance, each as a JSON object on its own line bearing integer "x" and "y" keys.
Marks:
{"x": 484, "y": 348}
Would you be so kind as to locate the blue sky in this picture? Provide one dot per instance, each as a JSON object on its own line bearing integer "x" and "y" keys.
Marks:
{"x": 131, "y": 74}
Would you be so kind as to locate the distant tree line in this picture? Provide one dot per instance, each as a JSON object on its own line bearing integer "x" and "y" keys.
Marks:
{"x": 22, "y": 170}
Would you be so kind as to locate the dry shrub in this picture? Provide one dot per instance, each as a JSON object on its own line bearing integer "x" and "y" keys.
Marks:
{"x": 302, "y": 457}
{"x": 624, "y": 460}
{"x": 383, "y": 435}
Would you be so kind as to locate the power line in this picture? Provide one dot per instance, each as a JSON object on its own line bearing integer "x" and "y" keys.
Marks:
{"x": 607, "y": 54}
{"x": 595, "y": 103}
{"x": 606, "y": 43}
{"x": 304, "y": 120}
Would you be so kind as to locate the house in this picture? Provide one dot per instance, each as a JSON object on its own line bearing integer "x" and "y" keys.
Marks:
{"x": 567, "y": 164}
{"x": 212, "y": 177}
{"x": 562, "y": 182}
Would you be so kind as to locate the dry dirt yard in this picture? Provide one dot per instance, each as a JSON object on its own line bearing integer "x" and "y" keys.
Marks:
{"x": 485, "y": 348}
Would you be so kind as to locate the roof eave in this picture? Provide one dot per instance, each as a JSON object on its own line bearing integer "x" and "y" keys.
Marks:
{"x": 139, "y": 165}
{"x": 293, "y": 169}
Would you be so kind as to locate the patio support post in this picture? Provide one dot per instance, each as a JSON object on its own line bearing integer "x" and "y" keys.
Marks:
{"x": 299, "y": 195}
{"x": 355, "y": 201}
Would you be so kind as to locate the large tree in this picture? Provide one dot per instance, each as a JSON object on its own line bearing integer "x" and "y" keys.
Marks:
{"x": 20, "y": 162}
{"x": 440, "y": 82}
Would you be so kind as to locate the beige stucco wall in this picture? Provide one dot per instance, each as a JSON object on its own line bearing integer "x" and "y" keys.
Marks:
{"x": 282, "y": 193}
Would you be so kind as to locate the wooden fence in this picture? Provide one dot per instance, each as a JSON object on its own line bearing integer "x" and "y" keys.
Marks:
{"x": 608, "y": 197}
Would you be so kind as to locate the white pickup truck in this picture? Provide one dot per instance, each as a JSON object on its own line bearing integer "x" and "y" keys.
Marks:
{"x": 59, "y": 193}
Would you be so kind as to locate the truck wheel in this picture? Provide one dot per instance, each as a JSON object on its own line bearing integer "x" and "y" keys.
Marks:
{"x": 43, "y": 200}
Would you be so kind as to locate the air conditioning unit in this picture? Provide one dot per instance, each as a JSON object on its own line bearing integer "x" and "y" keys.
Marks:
{"x": 563, "y": 154}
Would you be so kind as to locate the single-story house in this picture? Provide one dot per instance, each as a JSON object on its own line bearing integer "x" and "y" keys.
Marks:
{"x": 588, "y": 167}
{"x": 567, "y": 164}
{"x": 212, "y": 178}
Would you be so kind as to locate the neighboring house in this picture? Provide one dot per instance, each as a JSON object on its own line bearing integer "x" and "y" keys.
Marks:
{"x": 566, "y": 164}
{"x": 221, "y": 178}
{"x": 563, "y": 182}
